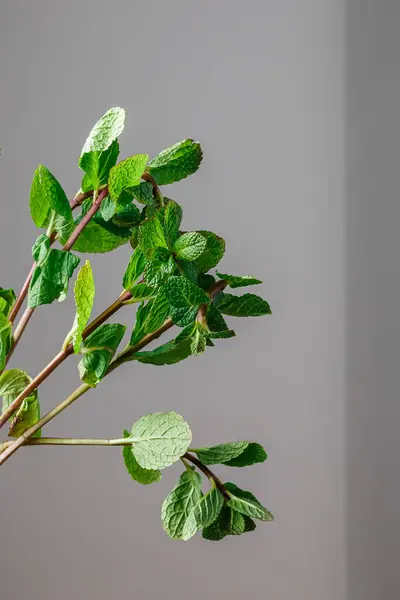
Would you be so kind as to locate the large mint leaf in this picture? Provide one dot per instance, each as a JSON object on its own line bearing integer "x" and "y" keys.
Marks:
{"x": 84, "y": 291}
{"x": 126, "y": 174}
{"x": 213, "y": 252}
{"x": 7, "y": 301}
{"x": 99, "y": 349}
{"x": 179, "y": 503}
{"x": 46, "y": 196}
{"x": 184, "y": 299}
{"x": 50, "y": 280}
{"x": 106, "y": 130}
{"x": 160, "y": 439}
{"x": 96, "y": 239}
{"x": 247, "y": 504}
{"x": 172, "y": 222}
{"x": 204, "y": 513}
{"x": 236, "y": 281}
{"x": 248, "y": 305}
{"x": 190, "y": 246}
{"x": 135, "y": 268}
{"x": 143, "y": 476}
{"x": 176, "y": 162}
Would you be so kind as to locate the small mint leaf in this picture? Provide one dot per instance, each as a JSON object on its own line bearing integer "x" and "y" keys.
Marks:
{"x": 47, "y": 195}
{"x": 212, "y": 253}
{"x": 235, "y": 281}
{"x": 126, "y": 174}
{"x": 190, "y": 246}
{"x": 247, "y": 504}
{"x": 50, "y": 280}
{"x": 106, "y": 130}
{"x": 176, "y": 162}
{"x": 99, "y": 349}
{"x": 204, "y": 513}
{"x": 179, "y": 503}
{"x": 248, "y": 305}
{"x": 40, "y": 249}
{"x": 84, "y": 291}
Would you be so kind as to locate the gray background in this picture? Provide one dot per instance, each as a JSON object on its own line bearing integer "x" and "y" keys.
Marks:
{"x": 301, "y": 135}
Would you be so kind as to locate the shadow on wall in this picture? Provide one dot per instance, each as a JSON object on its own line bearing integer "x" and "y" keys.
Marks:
{"x": 373, "y": 298}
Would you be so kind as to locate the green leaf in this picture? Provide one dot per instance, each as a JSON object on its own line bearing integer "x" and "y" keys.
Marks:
{"x": 168, "y": 354}
{"x": 254, "y": 453}
{"x": 199, "y": 340}
{"x": 213, "y": 252}
{"x": 106, "y": 130}
{"x": 84, "y": 291}
{"x": 158, "y": 312}
{"x": 126, "y": 174}
{"x": 247, "y": 504}
{"x": 97, "y": 165}
{"x": 229, "y": 522}
{"x": 190, "y": 246}
{"x": 141, "y": 291}
{"x": 176, "y": 162}
{"x": 221, "y": 335}
{"x": 5, "y": 339}
{"x": 248, "y": 305}
{"x": 216, "y": 455}
{"x": 204, "y": 513}
{"x": 159, "y": 267}
{"x": 139, "y": 329}
{"x": 160, "y": 439}
{"x": 151, "y": 236}
{"x": 95, "y": 239}
{"x": 12, "y": 383}
{"x": 40, "y": 249}
{"x": 172, "y": 222}
{"x": 99, "y": 349}
{"x": 7, "y": 301}
{"x": 143, "y": 192}
{"x": 179, "y": 503}
{"x": 50, "y": 280}
{"x": 236, "y": 281}
{"x": 182, "y": 293}
{"x": 108, "y": 208}
{"x": 215, "y": 320}
{"x": 143, "y": 476}
{"x": 46, "y": 196}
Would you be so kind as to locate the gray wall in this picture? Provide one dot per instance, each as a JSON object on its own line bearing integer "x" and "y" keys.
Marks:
{"x": 261, "y": 84}
{"x": 373, "y": 298}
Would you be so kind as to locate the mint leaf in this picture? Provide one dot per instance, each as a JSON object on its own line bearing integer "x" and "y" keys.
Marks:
{"x": 199, "y": 340}
{"x": 50, "y": 280}
{"x": 184, "y": 299}
{"x": 215, "y": 455}
{"x": 95, "y": 239}
{"x": 160, "y": 439}
{"x": 12, "y": 382}
{"x": 248, "y": 305}
{"x": 158, "y": 312}
{"x": 213, "y": 252}
{"x": 235, "y": 281}
{"x": 5, "y": 339}
{"x": 247, "y": 504}
{"x": 46, "y": 196}
{"x": 139, "y": 329}
{"x": 203, "y": 513}
{"x": 254, "y": 453}
{"x": 215, "y": 320}
{"x": 143, "y": 476}
{"x": 27, "y": 415}
{"x": 190, "y": 246}
{"x": 84, "y": 291}
{"x": 141, "y": 291}
{"x": 179, "y": 503}
{"x": 221, "y": 335}
{"x": 229, "y": 522}
{"x": 176, "y": 162}
{"x": 40, "y": 249}
{"x": 7, "y": 301}
{"x": 108, "y": 208}
{"x": 106, "y": 130}
{"x": 135, "y": 268}
{"x": 172, "y": 222}
{"x": 126, "y": 174}
{"x": 97, "y": 165}
{"x": 159, "y": 267}
{"x": 151, "y": 236}
{"x": 168, "y": 354}
{"x": 99, "y": 349}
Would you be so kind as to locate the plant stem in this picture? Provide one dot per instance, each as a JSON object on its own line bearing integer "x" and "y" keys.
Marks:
{"x": 55, "y": 441}
{"x": 207, "y": 472}
{"x": 157, "y": 192}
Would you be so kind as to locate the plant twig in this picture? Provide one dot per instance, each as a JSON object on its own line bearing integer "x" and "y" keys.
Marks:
{"x": 208, "y": 473}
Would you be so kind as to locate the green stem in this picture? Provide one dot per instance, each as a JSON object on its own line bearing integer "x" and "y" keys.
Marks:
{"x": 214, "y": 480}
{"x": 54, "y": 441}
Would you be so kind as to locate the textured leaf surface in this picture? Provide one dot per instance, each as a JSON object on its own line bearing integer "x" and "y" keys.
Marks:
{"x": 247, "y": 504}
{"x": 254, "y": 453}
{"x": 142, "y": 291}
{"x": 50, "y": 280}
{"x": 40, "y": 249}
{"x": 203, "y": 513}
{"x": 126, "y": 174}
{"x": 236, "y": 281}
{"x": 151, "y": 236}
{"x": 143, "y": 192}
{"x": 84, "y": 291}
{"x": 172, "y": 222}
{"x": 158, "y": 312}
{"x": 213, "y": 252}
{"x": 248, "y": 305}
{"x": 99, "y": 347}
{"x": 176, "y": 162}
{"x": 27, "y": 415}
{"x": 47, "y": 195}
{"x": 160, "y": 439}
{"x": 106, "y": 130}
{"x": 12, "y": 383}
{"x": 143, "y": 476}
{"x": 5, "y": 339}
{"x": 222, "y": 453}
{"x": 7, "y": 301}
{"x": 190, "y": 246}
{"x": 139, "y": 328}
{"x": 97, "y": 165}
{"x": 182, "y": 293}
{"x": 229, "y": 522}
{"x": 135, "y": 268}
{"x": 95, "y": 239}
{"x": 179, "y": 503}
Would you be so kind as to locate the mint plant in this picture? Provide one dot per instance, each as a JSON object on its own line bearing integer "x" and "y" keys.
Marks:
{"x": 169, "y": 278}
